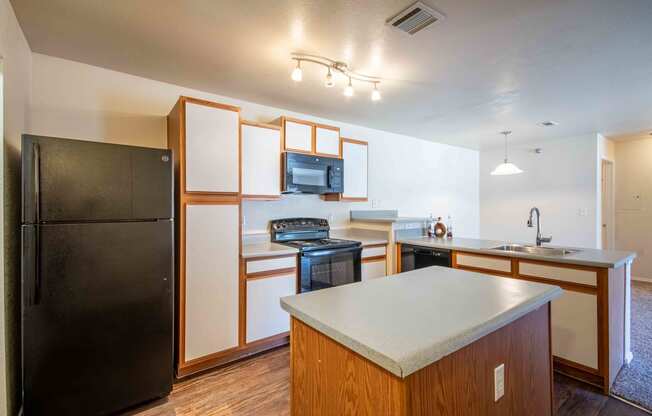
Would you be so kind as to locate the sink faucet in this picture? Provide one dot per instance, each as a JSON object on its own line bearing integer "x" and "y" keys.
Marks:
{"x": 530, "y": 224}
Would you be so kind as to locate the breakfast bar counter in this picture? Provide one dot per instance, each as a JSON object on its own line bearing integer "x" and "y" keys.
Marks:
{"x": 395, "y": 345}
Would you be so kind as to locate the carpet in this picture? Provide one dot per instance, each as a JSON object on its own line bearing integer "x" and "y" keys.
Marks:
{"x": 634, "y": 382}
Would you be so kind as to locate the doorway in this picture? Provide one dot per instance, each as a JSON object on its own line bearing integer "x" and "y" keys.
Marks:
{"x": 608, "y": 211}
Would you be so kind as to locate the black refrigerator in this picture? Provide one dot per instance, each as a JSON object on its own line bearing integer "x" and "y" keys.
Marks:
{"x": 97, "y": 276}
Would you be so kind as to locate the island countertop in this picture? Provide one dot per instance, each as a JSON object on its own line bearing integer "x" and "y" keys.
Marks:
{"x": 404, "y": 323}
{"x": 584, "y": 257}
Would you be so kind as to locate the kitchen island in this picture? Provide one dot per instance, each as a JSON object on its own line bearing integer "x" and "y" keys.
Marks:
{"x": 426, "y": 343}
{"x": 590, "y": 322}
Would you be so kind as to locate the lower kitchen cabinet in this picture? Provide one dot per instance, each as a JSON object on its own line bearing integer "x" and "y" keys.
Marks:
{"x": 211, "y": 284}
{"x": 374, "y": 262}
{"x": 574, "y": 326}
{"x": 587, "y": 321}
{"x": 373, "y": 269}
{"x": 264, "y": 315}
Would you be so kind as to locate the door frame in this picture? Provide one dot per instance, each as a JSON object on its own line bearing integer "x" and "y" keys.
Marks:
{"x": 607, "y": 202}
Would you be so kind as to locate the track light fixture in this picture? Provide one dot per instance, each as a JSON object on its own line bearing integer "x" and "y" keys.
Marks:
{"x": 337, "y": 66}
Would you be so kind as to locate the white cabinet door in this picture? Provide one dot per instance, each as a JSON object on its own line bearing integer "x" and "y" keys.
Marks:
{"x": 574, "y": 322}
{"x": 327, "y": 141}
{"x": 211, "y": 149}
{"x": 298, "y": 136}
{"x": 211, "y": 312}
{"x": 373, "y": 270}
{"x": 261, "y": 161}
{"x": 265, "y": 317}
{"x": 355, "y": 169}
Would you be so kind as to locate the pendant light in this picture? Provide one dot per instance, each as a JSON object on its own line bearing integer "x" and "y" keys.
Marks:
{"x": 506, "y": 168}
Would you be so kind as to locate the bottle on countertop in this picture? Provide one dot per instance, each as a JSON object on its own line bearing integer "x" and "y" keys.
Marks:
{"x": 430, "y": 226}
{"x": 449, "y": 227}
{"x": 440, "y": 228}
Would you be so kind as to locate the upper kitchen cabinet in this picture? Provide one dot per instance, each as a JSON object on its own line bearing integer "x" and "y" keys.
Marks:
{"x": 327, "y": 140}
{"x": 355, "y": 155}
{"x": 261, "y": 161}
{"x": 207, "y": 147}
{"x": 297, "y": 135}
{"x": 307, "y": 137}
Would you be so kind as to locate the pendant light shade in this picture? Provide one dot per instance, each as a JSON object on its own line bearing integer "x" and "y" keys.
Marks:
{"x": 506, "y": 168}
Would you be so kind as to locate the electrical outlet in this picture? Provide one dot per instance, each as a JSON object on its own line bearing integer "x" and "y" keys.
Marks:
{"x": 499, "y": 382}
{"x": 375, "y": 203}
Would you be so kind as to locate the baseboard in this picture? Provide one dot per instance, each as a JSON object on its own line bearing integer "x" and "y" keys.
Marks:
{"x": 642, "y": 279}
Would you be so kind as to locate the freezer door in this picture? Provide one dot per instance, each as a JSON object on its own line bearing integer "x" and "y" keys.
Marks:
{"x": 74, "y": 181}
{"x": 97, "y": 316}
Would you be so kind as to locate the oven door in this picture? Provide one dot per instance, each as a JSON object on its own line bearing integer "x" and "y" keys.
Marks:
{"x": 327, "y": 268}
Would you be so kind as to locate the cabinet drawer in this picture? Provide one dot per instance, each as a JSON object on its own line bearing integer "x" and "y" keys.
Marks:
{"x": 373, "y": 269}
{"x": 374, "y": 251}
{"x": 574, "y": 322}
{"x": 497, "y": 264}
{"x": 265, "y": 317}
{"x": 257, "y": 266}
{"x": 585, "y": 277}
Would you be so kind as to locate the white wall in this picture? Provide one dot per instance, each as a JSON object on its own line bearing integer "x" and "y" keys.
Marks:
{"x": 16, "y": 73}
{"x": 561, "y": 181}
{"x": 417, "y": 177}
{"x": 634, "y": 202}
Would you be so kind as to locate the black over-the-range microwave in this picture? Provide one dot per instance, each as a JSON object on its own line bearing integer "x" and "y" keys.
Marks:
{"x": 310, "y": 174}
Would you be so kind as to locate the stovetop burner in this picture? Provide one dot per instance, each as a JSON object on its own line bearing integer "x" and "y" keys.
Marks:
{"x": 307, "y": 234}
{"x": 323, "y": 243}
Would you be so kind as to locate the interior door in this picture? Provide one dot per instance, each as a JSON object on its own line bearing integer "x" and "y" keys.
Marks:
{"x": 97, "y": 316}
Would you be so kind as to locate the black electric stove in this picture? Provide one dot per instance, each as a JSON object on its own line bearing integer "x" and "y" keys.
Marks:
{"x": 325, "y": 262}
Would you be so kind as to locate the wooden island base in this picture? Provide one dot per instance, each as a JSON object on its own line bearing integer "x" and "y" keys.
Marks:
{"x": 330, "y": 379}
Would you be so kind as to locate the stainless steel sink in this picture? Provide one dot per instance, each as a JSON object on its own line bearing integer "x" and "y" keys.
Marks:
{"x": 543, "y": 251}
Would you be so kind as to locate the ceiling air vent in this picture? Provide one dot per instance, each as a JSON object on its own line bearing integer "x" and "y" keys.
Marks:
{"x": 415, "y": 18}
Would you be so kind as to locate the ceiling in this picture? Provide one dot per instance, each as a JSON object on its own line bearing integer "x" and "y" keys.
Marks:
{"x": 490, "y": 65}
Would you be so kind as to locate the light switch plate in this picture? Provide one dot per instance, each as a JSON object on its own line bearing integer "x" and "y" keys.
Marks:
{"x": 499, "y": 382}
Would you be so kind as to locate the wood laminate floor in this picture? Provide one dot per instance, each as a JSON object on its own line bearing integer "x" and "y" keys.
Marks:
{"x": 260, "y": 387}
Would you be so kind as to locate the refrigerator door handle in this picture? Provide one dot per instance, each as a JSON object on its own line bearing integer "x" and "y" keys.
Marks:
{"x": 30, "y": 267}
{"x": 37, "y": 182}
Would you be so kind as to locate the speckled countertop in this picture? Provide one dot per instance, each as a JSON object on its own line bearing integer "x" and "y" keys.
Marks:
{"x": 264, "y": 249}
{"x": 405, "y": 323}
{"x": 585, "y": 257}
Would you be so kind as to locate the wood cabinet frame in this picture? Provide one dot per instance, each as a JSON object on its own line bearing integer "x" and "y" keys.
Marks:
{"x": 341, "y": 197}
{"x": 604, "y": 375}
{"x": 275, "y": 340}
{"x": 263, "y": 126}
{"x": 176, "y": 129}
{"x": 313, "y": 140}
{"x": 176, "y": 142}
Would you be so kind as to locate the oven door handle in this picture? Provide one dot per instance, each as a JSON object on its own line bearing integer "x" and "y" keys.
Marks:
{"x": 322, "y": 253}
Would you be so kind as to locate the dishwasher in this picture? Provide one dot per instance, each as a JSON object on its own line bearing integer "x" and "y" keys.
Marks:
{"x": 415, "y": 257}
